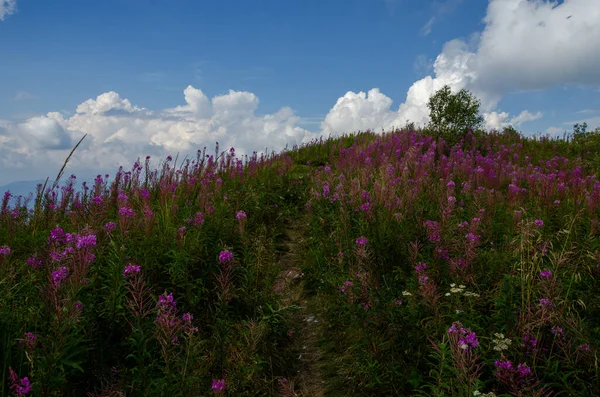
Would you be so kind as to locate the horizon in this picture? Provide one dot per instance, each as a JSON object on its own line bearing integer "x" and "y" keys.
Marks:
{"x": 252, "y": 76}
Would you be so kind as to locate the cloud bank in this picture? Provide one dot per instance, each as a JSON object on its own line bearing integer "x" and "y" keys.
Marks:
{"x": 120, "y": 132}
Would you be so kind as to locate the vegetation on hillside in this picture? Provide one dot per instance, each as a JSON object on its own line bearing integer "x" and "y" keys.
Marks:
{"x": 424, "y": 269}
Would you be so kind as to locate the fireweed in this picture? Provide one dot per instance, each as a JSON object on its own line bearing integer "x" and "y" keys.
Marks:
{"x": 511, "y": 222}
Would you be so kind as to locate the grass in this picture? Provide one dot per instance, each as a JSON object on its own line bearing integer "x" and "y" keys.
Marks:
{"x": 369, "y": 264}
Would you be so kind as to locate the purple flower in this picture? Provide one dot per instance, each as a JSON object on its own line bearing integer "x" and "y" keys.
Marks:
{"x": 546, "y": 273}
{"x": 420, "y": 268}
{"x": 20, "y": 387}
{"x": 34, "y": 262}
{"x": 558, "y": 331}
{"x": 218, "y": 385}
{"x": 59, "y": 274}
{"x": 85, "y": 241}
{"x": 5, "y": 250}
{"x": 546, "y": 303}
{"x": 523, "y": 370}
{"x": 471, "y": 237}
{"x": 504, "y": 365}
{"x": 110, "y": 226}
{"x": 241, "y": 215}
{"x": 28, "y": 340}
{"x": 346, "y": 285}
{"x": 187, "y": 317}
{"x": 539, "y": 222}
{"x": 361, "y": 241}
{"x": 584, "y": 347}
{"x": 131, "y": 270}
{"x": 167, "y": 302}
{"x": 225, "y": 256}
{"x": 126, "y": 212}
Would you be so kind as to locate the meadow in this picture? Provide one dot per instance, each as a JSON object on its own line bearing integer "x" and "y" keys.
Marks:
{"x": 370, "y": 264}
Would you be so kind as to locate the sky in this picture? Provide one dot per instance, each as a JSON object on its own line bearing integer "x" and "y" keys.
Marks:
{"x": 168, "y": 77}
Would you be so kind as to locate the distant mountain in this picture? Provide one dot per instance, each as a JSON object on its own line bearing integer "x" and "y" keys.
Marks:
{"x": 21, "y": 188}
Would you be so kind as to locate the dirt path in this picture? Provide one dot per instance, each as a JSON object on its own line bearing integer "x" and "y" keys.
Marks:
{"x": 307, "y": 322}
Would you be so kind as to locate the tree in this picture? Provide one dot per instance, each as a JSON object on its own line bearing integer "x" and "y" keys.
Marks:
{"x": 453, "y": 115}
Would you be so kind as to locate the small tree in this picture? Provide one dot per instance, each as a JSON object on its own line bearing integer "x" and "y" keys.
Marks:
{"x": 453, "y": 115}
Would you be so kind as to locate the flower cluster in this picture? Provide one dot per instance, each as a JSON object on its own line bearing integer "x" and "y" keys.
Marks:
{"x": 21, "y": 386}
{"x": 218, "y": 385}
{"x": 345, "y": 285}
{"x": 500, "y": 342}
{"x": 225, "y": 256}
{"x": 468, "y": 339}
{"x": 131, "y": 270}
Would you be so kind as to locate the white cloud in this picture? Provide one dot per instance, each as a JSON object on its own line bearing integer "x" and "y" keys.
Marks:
{"x": 7, "y": 7}
{"x": 499, "y": 120}
{"x": 354, "y": 112}
{"x": 525, "y": 45}
{"x": 119, "y": 132}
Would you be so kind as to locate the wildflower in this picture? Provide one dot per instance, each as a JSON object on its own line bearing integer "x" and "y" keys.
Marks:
{"x": 584, "y": 347}
{"x": 34, "y": 262}
{"x": 406, "y": 293}
{"x": 29, "y": 340}
{"x": 539, "y": 222}
{"x": 420, "y": 268}
{"x": 469, "y": 293}
{"x": 501, "y": 343}
{"x": 187, "y": 317}
{"x": 167, "y": 302}
{"x": 546, "y": 303}
{"x": 225, "y": 256}
{"x": 399, "y": 303}
{"x": 346, "y": 285}
{"x": 20, "y": 387}
{"x": 218, "y": 385}
{"x": 546, "y": 273}
{"x": 78, "y": 305}
{"x": 110, "y": 226}
{"x": 85, "y": 241}
{"x": 5, "y": 250}
{"x": 558, "y": 331}
{"x": 447, "y": 294}
{"x": 131, "y": 270}
{"x": 361, "y": 241}
{"x": 59, "y": 274}
{"x": 241, "y": 215}
{"x": 471, "y": 237}
{"x": 126, "y": 212}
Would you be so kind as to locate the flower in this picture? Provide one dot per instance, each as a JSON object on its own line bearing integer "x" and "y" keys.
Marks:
{"x": 546, "y": 303}
{"x": 20, "y": 387}
{"x": 225, "y": 256}
{"x": 218, "y": 385}
{"x": 59, "y": 274}
{"x": 110, "y": 226}
{"x": 131, "y": 270}
{"x": 546, "y": 273}
{"x": 241, "y": 215}
{"x": 361, "y": 241}
{"x": 539, "y": 222}
{"x": 346, "y": 285}
{"x": 5, "y": 250}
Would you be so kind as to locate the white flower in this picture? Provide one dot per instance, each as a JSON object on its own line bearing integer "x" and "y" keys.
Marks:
{"x": 406, "y": 293}
{"x": 461, "y": 286}
{"x": 468, "y": 293}
{"x": 447, "y": 294}
{"x": 452, "y": 285}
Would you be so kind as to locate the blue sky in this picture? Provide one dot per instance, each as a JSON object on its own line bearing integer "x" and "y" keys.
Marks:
{"x": 117, "y": 70}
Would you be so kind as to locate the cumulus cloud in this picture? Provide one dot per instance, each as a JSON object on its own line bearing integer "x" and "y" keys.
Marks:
{"x": 7, "y": 7}
{"x": 499, "y": 120}
{"x": 525, "y": 45}
{"x": 119, "y": 132}
{"x": 355, "y": 112}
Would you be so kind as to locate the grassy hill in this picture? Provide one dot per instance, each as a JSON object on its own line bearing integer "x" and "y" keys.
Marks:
{"x": 365, "y": 265}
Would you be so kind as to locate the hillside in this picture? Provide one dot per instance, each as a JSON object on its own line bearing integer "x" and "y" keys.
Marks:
{"x": 366, "y": 265}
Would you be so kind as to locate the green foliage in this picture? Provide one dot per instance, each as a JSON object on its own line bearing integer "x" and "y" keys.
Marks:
{"x": 453, "y": 115}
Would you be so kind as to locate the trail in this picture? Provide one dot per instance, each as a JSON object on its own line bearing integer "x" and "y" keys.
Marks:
{"x": 309, "y": 380}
